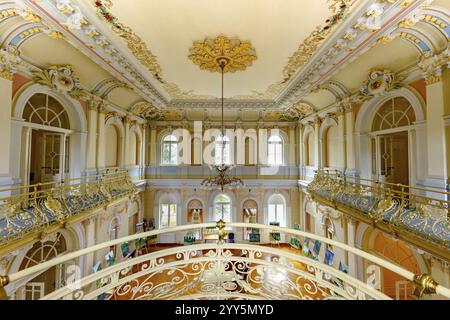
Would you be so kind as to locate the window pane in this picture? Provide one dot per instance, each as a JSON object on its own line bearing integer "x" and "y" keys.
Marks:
{"x": 226, "y": 213}
{"x": 164, "y": 216}
{"x": 272, "y": 217}
{"x": 173, "y": 153}
{"x": 166, "y": 153}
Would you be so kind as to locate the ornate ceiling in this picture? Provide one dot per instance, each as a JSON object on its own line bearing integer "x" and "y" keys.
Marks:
{"x": 308, "y": 55}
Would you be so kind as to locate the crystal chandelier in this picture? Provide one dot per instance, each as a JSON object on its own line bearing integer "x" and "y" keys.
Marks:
{"x": 222, "y": 180}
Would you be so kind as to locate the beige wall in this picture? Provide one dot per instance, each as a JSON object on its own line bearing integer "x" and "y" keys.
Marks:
{"x": 112, "y": 146}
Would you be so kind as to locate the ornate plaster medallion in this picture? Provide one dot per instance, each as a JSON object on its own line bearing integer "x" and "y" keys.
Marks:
{"x": 236, "y": 54}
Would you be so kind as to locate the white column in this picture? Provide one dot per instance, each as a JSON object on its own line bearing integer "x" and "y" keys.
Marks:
{"x": 341, "y": 129}
{"x": 92, "y": 119}
{"x": 436, "y": 140}
{"x": 89, "y": 227}
{"x": 317, "y": 143}
{"x": 292, "y": 145}
{"x": 153, "y": 145}
{"x": 351, "y": 233}
{"x": 350, "y": 138}
{"x": 5, "y": 127}
{"x": 101, "y": 143}
{"x": 126, "y": 144}
{"x": 143, "y": 150}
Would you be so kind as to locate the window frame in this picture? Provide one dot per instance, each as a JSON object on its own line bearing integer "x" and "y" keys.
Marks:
{"x": 222, "y": 204}
{"x": 170, "y": 143}
{"x": 170, "y": 214}
{"x": 276, "y": 154}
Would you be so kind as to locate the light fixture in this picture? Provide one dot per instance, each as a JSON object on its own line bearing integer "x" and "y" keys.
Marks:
{"x": 224, "y": 55}
{"x": 222, "y": 180}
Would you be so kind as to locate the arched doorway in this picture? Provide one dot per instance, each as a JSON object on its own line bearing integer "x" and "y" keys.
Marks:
{"x": 398, "y": 252}
{"x": 52, "y": 278}
{"x": 50, "y": 139}
{"x": 49, "y": 131}
{"x": 390, "y": 141}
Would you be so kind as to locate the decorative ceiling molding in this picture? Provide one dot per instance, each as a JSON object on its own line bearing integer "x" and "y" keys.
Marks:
{"x": 360, "y": 31}
{"x": 349, "y": 33}
{"x": 208, "y": 54}
{"x": 70, "y": 18}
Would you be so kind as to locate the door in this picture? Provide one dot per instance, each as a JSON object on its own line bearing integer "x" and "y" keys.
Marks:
{"x": 393, "y": 158}
{"x": 53, "y": 156}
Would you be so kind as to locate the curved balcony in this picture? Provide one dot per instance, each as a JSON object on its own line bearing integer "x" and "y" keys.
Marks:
{"x": 26, "y": 212}
{"x": 222, "y": 270}
{"x": 419, "y": 216}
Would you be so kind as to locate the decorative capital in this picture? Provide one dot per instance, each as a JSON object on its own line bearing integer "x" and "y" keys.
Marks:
{"x": 432, "y": 67}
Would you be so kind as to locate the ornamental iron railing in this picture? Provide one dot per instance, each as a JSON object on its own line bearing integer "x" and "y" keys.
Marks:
{"x": 223, "y": 270}
{"x": 32, "y": 209}
{"x": 401, "y": 210}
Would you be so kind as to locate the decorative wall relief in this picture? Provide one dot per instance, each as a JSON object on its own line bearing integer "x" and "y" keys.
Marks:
{"x": 297, "y": 112}
{"x": 61, "y": 79}
{"x": 147, "y": 110}
{"x": 380, "y": 82}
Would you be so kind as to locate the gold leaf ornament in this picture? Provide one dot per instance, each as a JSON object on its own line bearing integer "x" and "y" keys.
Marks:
{"x": 209, "y": 54}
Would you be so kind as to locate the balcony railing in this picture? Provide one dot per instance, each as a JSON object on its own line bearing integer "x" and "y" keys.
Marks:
{"x": 419, "y": 215}
{"x": 221, "y": 270}
{"x": 33, "y": 209}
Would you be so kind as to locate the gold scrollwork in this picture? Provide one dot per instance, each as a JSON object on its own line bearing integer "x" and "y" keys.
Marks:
{"x": 208, "y": 54}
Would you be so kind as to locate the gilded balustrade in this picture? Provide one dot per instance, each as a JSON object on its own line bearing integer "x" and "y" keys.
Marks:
{"x": 34, "y": 208}
{"x": 421, "y": 212}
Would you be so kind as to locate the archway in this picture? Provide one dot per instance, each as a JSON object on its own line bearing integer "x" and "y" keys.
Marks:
{"x": 51, "y": 130}
{"x": 388, "y": 139}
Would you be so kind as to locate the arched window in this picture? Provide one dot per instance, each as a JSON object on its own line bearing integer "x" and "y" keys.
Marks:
{"x": 275, "y": 150}
{"x": 169, "y": 150}
{"x": 222, "y": 208}
{"x": 277, "y": 210}
{"x": 222, "y": 150}
{"x": 167, "y": 214}
{"x": 395, "y": 113}
{"x": 46, "y": 110}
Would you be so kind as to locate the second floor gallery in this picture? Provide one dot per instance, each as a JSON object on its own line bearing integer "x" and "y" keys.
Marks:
{"x": 254, "y": 149}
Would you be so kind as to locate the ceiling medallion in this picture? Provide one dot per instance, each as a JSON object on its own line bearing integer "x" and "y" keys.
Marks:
{"x": 209, "y": 54}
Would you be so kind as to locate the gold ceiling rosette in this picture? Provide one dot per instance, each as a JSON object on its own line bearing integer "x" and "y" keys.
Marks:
{"x": 208, "y": 54}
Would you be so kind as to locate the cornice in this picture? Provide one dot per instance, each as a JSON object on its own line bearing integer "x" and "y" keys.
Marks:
{"x": 350, "y": 40}
{"x": 81, "y": 29}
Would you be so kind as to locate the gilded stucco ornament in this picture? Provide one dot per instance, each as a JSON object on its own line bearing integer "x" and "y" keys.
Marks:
{"x": 61, "y": 79}
{"x": 9, "y": 61}
{"x": 147, "y": 110}
{"x": 207, "y": 54}
{"x": 380, "y": 82}
{"x": 297, "y": 112}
